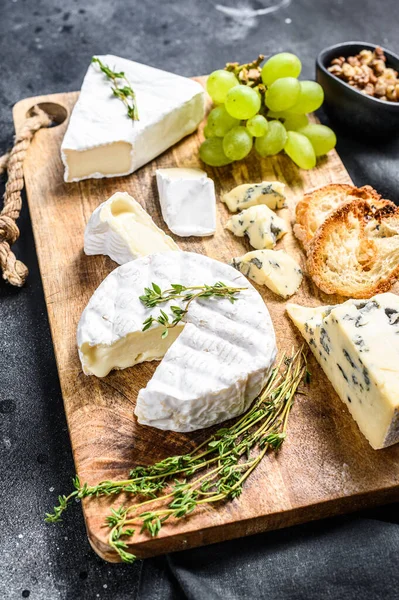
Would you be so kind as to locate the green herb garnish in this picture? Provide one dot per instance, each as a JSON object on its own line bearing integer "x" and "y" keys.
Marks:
{"x": 123, "y": 92}
{"x": 225, "y": 460}
{"x": 154, "y": 296}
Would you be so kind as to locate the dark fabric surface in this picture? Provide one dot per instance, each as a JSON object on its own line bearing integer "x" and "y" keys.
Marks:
{"x": 45, "y": 47}
{"x": 341, "y": 558}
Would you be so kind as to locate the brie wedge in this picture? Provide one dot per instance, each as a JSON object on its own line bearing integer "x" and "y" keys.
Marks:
{"x": 103, "y": 141}
{"x": 121, "y": 229}
{"x": 357, "y": 345}
{"x": 213, "y": 366}
{"x": 188, "y": 203}
{"x": 243, "y": 196}
{"x": 262, "y": 226}
{"x": 275, "y": 269}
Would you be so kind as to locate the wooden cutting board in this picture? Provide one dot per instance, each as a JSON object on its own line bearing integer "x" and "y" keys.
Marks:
{"x": 326, "y": 466}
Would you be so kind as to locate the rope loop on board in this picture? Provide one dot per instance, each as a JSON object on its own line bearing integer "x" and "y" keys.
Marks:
{"x": 14, "y": 271}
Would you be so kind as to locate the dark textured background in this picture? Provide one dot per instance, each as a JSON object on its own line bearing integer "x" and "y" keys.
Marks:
{"x": 45, "y": 47}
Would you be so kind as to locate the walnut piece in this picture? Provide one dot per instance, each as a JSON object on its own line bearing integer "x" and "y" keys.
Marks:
{"x": 368, "y": 73}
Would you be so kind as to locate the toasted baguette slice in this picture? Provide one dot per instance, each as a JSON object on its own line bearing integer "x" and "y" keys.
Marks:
{"x": 314, "y": 208}
{"x": 355, "y": 252}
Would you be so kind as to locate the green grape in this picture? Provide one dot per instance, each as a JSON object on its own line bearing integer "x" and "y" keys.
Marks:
{"x": 237, "y": 143}
{"x": 300, "y": 150}
{"x": 208, "y": 132}
{"x": 273, "y": 142}
{"x": 294, "y": 122}
{"x": 211, "y": 152}
{"x": 242, "y": 102}
{"x": 220, "y": 122}
{"x": 291, "y": 121}
{"x": 257, "y": 126}
{"x": 310, "y": 98}
{"x": 280, "y": 65}
{"x": 322, "y": 138}
{"x": 276, "y": 114}
{"x": 283, "y": 93}
{"x": 218, "y": 84}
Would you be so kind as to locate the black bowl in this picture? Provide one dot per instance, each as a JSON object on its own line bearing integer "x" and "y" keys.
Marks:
{"x": 365, "y": 115}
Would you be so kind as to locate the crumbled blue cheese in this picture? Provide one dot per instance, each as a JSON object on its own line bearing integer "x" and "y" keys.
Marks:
{"x": 270, "y": 193}
{"x": 357, "y": 345}
{"x": 262, "y": 226}
{"x": 274, "y": 268}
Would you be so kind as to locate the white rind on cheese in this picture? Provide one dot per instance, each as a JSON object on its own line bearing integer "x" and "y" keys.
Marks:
{"x": 260, "y": 224}
{"x": 121, "y": 229}
{"x": 357, "y": 345}
{"x": 102, "y": 141}
{"x": 188, "y": 202}
{"x": 273, "y": 268}
{"x": 270, "y": 193}
{"x": 212, "y": 368}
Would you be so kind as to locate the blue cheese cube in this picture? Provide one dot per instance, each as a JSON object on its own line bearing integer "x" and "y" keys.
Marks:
{"x": 357, "y": 345}
{"x": 262, "y": 226}
{"x": 273, "y": 268}
{"x": 270, "y": 193}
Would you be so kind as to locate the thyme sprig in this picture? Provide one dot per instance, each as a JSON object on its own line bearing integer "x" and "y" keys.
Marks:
{"x": 124, "y": 92}
{"x": 154, "y": 295}
{"x": 213, "y": 472}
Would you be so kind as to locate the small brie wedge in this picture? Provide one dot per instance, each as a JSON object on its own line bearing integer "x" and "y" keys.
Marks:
{"x": 188, "y": 203}
{"x": 275, "y": 269}
{"x": 103, "y": 141}
{"x": 121, "y": 229}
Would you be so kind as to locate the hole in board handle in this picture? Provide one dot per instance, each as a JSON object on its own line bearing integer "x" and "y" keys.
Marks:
{"x": 56, "y": 112}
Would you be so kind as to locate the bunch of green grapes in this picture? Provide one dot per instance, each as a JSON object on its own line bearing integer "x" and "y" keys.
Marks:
{"x": 270, "y": 114}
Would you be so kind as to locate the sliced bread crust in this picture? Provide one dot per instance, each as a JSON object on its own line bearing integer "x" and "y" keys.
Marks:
{"x": 316, "y": 206}
{"x": 355, "y": 252}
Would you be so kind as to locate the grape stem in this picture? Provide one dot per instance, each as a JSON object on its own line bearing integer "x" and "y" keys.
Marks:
{"x": 248, "y": 73}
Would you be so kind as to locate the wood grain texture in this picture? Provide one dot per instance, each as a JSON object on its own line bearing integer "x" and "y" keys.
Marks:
{"x": 326, "y": 466}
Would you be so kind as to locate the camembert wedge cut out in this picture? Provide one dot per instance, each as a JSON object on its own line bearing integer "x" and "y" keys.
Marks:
{"x": 121, "y": 229}
{"x": 188, "y": 202}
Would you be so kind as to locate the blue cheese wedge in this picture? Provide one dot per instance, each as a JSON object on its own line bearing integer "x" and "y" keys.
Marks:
{"x": 121, "y": 229}
{"x": 270, "y": 193}
{"x": 262, "y": 226}
{"x": 275, "y": 269}
{"x": 357, "y": 345}
{"x": 103, "y": 141}
{"x": 188, "y": 202}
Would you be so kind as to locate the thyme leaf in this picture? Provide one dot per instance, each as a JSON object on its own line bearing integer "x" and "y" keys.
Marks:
{"x": 214, "y": 472}
{"x": 124, "y": 92}
{"x": 154, "y": 295}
